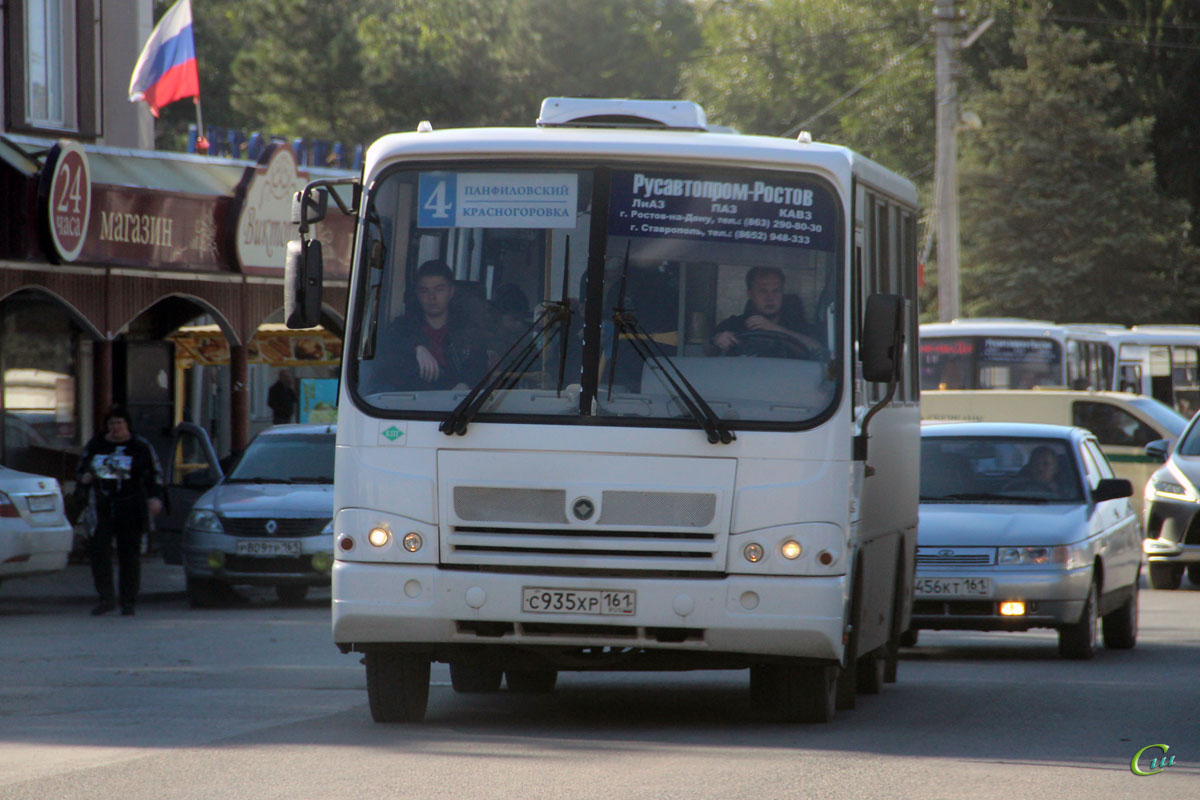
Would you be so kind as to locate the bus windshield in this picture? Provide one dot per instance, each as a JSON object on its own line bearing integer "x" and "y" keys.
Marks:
{"x": 990, "y": 362}
{"x": 592, "y": 291}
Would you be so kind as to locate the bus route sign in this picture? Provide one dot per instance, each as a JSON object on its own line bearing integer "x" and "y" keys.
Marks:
{"x": 791, "y": 214}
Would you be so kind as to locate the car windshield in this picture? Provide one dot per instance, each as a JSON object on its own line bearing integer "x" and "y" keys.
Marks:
{"x": 998, "y": 469}
{"x": 1189, "y": 445}
{"x": 1161, "y": 413}
{"x": 286, "y": 458}
{"x": 729, "y": 276}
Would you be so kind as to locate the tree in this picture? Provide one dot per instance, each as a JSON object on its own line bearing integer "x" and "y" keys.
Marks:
{"x": 854, "y": 72}
{"x": 1061, "y": 215}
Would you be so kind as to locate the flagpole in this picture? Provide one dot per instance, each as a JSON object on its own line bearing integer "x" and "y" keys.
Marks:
{"x": 201, "y": 140}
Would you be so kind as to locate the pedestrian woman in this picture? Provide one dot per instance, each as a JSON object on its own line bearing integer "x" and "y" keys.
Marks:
{"x": 127, "y": 488}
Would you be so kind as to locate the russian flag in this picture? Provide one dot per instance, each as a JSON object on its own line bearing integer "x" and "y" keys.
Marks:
{"x": 166, "y": 71}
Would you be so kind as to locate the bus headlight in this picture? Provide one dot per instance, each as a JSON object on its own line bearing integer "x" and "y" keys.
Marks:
{"x": 379, "y": 536}
{"x": 791, "y": 549}
{"x": 412, "y": 541}
{"x": 753, "y": 552}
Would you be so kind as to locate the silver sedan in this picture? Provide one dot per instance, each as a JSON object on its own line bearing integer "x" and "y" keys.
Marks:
{"x": 1024, "y": 526}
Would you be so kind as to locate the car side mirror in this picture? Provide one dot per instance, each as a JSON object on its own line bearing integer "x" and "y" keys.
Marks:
{"x": 1159, "y": 448}
{"x": 882, "y": 346}
{"x": 1112, "y": 489}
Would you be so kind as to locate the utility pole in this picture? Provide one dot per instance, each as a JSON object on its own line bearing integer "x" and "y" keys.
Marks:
{"x": 946, "y": 21}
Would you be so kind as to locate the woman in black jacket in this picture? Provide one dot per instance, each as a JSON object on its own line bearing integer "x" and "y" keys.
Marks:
{"x": 127, "y": 487}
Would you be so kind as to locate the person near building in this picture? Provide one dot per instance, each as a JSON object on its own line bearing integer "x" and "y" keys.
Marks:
{"x": 282, "y": 398}
{"x": 126, "y": 480}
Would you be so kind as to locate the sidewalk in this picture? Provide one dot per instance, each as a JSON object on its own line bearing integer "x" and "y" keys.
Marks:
{"x": 160, "y": 582}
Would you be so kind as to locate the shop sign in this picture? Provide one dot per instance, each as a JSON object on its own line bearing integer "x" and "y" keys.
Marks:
{"x": 141, "y": 227}
{"x": 276, "y": 346}
{"x": 65, "y": 195}
{"x": 264, "y": 218}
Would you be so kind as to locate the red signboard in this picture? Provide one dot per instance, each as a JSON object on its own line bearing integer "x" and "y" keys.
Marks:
{"x": 69, "y": 201}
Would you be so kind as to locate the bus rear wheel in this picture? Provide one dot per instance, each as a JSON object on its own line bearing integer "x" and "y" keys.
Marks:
{"x": 397, "y": 686}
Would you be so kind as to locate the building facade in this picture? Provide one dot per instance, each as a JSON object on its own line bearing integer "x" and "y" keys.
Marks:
{"x": 108, "y": 248}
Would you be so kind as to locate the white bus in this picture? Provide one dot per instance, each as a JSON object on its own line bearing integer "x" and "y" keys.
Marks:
{"x": 1162, "y": 361}
{"x": 1008, "y": 353}
{"x": 549, "y": 458}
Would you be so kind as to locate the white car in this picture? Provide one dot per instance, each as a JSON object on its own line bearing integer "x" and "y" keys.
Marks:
{"x": 35, "y": 537}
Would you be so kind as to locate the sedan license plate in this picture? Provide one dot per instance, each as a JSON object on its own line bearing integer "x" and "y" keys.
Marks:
{"x": 953, "y": 587}
{"x": 41, "y": 502}
{"x": 599, "y": 602}
{"x": 269, "y": 547}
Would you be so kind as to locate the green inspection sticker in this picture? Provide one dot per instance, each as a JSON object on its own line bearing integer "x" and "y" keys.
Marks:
{"x": 393, "y": 433}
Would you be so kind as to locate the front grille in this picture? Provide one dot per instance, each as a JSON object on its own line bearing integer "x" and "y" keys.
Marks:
{"x": 654, "y": 509}
{"x": 576, "y": 630}
{"x": 956, "y": 556}
{"x": 954, "y": 608}
{"x": 284, "y": 528}
{"x": 531, "y": 506}
{"x": 272, "y": 564}
{"x": 639, "y": 549}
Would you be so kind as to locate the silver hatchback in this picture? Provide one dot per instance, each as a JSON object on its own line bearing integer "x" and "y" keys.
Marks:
{"x": 269, "y": 522}
{"x": 1024, "y": 526}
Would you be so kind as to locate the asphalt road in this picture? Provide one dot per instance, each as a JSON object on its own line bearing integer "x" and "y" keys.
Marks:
{"x": 253, "y": 701}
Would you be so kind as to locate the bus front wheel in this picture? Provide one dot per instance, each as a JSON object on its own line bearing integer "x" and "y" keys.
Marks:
{"x": 397, "y": 686}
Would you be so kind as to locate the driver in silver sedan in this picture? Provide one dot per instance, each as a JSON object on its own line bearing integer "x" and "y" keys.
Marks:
{"x": 769, "y": 314}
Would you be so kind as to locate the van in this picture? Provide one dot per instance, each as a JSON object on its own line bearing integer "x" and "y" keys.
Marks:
{"x": 1123, "y": 423}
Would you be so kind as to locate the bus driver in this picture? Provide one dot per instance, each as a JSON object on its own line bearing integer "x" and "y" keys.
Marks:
{"x": 769, "y": 315}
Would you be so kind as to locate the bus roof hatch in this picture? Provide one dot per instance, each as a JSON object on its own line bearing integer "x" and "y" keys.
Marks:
{"x": 621, "y": 113}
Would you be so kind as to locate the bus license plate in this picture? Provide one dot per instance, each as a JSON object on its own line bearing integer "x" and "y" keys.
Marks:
{"x": 599, "y": 602}
{"x": 953, "y": 587}
{"x": 272, "y": 547}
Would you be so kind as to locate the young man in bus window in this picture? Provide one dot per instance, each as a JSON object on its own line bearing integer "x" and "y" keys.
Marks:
{"x": 769, "y": 315}
{"x": 436, "y": 349}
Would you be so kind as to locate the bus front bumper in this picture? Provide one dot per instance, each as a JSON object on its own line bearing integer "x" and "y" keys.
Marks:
{"x": 387, "y": 604}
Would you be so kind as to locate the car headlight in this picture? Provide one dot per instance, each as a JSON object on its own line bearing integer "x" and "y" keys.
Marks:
{"x": 1070, "y": 556}
{"x": 1171, "y": 490}
{"x": 204, "y": 521}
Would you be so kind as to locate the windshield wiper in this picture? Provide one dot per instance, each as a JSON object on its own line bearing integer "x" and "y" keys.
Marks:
{"x": 510, "y": 367}
{"x": 651, "y": 352}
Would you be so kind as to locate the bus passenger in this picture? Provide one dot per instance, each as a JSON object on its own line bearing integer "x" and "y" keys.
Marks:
{"x": 436, "y": 349}
{"x": 769, "y": 315}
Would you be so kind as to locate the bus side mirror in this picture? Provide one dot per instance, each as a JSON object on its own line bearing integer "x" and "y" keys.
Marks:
{"x": 309, "y": 207}
{"x": 882, "y": 344}
{"x": 302, "y": 284}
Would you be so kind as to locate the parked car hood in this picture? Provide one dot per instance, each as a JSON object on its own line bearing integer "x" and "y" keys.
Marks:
{"x": 1000, "y": 524}
{"x": 298, "y": 501}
